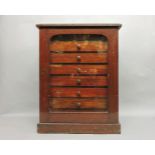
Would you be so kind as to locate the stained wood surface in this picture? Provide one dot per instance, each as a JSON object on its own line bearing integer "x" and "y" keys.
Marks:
{"x": 79, "y": 58}
{"x": 78, "y": 69}
{"x": 94, "y": 121}
{"x": 78, "y": 92}
{"x": 77, "y": 104}
{"x": 78, "y": 81}
{"x": 78, "y": 46}
{"x": 101, "y": 116}
{"x": 79, "y": 128}
{"x": 81, "y": 25}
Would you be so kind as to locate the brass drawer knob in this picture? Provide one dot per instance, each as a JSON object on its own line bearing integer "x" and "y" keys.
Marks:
{"x": 78, "y": 70}
{"x": 78, "y": 81}
{"x": 78, "y": 94}
{"x": 78, "y": 58}
{"x": 78, "y": 104}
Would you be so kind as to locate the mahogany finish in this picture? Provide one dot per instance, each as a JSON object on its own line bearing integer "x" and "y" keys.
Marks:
{"x": 79, "y": 58}
{"x": 78, "y": 92}
{"x": 78, "y": 69}
{"x": 78, "y": 81}
{"x": 78, "y": 46}
{"x": 74, "y": 103}
{"x": 79, "y": 78}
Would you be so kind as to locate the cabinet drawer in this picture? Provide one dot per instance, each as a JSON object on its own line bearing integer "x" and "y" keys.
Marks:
{"x": 78, "y": 46}
{"x": 78, "y": 92}
{"x": 76, "y": 103}
{"x": 78, "y": 58}
{"x": 78, "y": 81}
{"x": 78, "y": 69}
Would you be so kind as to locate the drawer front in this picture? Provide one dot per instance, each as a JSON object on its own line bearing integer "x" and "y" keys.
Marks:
{"x": 78, "y": 92}
{"x": 78, "y": 69}
{"x": 78, "y": 81}
{"x": 76, "y": 103}
{"x": 78, "y": 58}
{"x": 78, "y": 46}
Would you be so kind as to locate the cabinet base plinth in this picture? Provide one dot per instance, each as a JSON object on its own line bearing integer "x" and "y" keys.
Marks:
{"x": 78, "y": 128}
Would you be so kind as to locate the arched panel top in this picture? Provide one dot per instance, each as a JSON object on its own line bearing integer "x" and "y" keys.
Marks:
{"x": 79, "y": 42}
{"x": 79, "y": 37}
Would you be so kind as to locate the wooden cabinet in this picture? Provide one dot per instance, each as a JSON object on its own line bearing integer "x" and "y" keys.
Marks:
{"x": 79, "y": 78}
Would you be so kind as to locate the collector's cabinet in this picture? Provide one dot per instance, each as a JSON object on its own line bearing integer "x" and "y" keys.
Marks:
{"x": 79, "y": 78}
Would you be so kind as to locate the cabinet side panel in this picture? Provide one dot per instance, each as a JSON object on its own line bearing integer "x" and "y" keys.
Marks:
{"x": 113, "y": 72}
{"x": 43, "y": 75}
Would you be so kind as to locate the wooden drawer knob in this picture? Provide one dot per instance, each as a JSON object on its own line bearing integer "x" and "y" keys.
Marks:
{"x": 78, "y": 81}
{"x": 78, "y": 104}
{"x": 78, "y": 94}
{"x": 78, "y": 46}
{"x": 78, "y": 70}
{"x": 78, "y": 58}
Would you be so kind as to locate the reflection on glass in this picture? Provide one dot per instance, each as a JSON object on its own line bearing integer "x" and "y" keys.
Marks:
{"x": 79, "y": 42}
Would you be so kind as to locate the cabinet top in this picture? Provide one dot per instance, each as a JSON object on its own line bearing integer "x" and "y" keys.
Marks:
{"x": 99, "y": 25}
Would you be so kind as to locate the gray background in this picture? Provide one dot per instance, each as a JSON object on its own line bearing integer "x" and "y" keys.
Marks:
{"x": 19, "y": 58}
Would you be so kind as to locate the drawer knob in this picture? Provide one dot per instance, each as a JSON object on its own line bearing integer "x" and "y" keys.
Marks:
{"x": 78, "y": 46}
{"x": 78, "y": 70}
{"x": 78, "y": 94}
{"x": 78, "y": 58}
{"x": 78, "y": 104}
{"x": 78, "y": 81}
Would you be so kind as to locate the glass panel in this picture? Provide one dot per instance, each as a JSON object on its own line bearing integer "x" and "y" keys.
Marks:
{"x": 79, "y": 42}
{"x": 80, "y": 72}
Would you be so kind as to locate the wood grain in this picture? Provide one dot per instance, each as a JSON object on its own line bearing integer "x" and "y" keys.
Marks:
{"x": 78, "y": 92}
{"x": 78, "y": 46}
{"x": 78, "y": 58}
{"x": 78, "y": 69}
{"x": 77, "y": 103}
{"x": 78, "y": 81}
{"x": 99, "y": 117}
{"x": 78, "y": 120}
{"x": 79, "y": 128}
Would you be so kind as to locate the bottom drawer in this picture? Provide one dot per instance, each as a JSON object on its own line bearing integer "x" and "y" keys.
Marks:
{"x": 77, "y": 103}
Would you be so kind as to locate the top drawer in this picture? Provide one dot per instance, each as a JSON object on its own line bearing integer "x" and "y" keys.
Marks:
{"x": 78, "y": 46}
{"x": 78, "y": 42}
